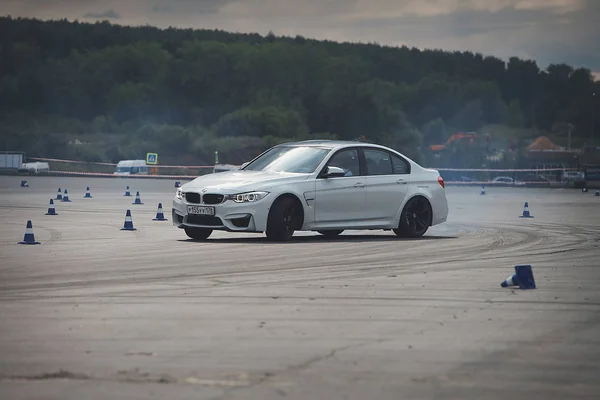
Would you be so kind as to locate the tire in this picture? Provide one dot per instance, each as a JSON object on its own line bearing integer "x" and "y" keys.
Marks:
{"x": 415, "y": 219}
{"x": 197, "y": 233}
{"x": 331, "y": 233}
{"x": 283, "y": 220}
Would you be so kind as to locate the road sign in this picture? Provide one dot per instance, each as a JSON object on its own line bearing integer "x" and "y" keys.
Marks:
{"x": 151, "y": 158}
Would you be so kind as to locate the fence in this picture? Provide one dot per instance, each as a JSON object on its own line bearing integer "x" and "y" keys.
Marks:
{"x": 101, "y": 169}
{"x": 452, "y": 176}
{"x": 512, "y": 177}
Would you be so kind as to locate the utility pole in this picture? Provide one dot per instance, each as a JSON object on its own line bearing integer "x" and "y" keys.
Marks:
{"x": 593, "y": 117}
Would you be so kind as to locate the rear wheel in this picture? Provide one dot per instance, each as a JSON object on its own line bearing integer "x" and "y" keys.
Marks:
{"x": 415, "y": 218}
{"x": 331, "y": 233}
{"x": 197, "y": 233}
{"x": 283, "y": 219}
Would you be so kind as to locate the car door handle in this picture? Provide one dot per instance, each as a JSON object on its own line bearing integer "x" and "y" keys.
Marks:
{"x": 359, "y": 184}
{"x": 401, "y": 181}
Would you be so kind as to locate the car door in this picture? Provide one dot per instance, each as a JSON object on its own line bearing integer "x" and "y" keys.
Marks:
{"x": 341, "y": 201}
{"x": 388, "y": 178}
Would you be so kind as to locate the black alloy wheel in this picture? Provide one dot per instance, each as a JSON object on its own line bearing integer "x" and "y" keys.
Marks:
{"x": 331, "y": 233}
{"x": 415, "y": 219}
{"x": 283, "y": 220}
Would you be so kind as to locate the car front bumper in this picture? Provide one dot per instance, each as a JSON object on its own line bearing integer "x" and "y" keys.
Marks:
{"x": 228, "y": 216}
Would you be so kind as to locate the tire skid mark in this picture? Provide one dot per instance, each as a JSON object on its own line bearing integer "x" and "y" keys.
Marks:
{"x": 496, "y": 242}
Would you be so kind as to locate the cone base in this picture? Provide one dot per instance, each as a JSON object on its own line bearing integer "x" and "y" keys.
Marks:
{"x": 129, "y": 229}
{"x": 159, "y": 219}
{"x": 526, "y": 216}
{"x": 136, "y": 204}
{"x": 29, "y": 243}
{"x": 51, "y": 213}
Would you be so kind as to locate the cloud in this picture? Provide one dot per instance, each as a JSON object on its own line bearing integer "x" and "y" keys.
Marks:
{"x": 162, "y": 8}
{"x": 549, "y": 31}
{"x": 189, "y": 6}
{"x": 109, "y": 14}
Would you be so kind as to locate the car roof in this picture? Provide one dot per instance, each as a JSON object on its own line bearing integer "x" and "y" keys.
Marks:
{"x": 330, "y": 144}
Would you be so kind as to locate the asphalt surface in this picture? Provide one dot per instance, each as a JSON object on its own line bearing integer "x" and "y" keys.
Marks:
{"x": 95, "y": 312}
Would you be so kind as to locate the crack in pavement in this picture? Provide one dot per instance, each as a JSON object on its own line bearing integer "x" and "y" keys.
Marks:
{"x": 296, "y": 368}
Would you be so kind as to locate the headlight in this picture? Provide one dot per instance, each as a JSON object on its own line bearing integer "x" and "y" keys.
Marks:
{"x": 247, "y": 197}
{"x": 179, "y": 194}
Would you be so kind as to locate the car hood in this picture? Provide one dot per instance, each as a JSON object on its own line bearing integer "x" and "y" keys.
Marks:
{"x": 239, "y": 181}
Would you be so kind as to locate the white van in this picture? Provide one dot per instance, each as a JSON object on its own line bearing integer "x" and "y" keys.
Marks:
{"x": 224, "y": 168}
{"x": 132, "y": 167}
{"x": 35, "y": 167}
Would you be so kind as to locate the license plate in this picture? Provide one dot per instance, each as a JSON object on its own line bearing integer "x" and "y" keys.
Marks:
{"x": 201, "y": 210}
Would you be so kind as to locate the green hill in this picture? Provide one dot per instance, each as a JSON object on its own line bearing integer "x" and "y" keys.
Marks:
{"x": 123, "y": 91}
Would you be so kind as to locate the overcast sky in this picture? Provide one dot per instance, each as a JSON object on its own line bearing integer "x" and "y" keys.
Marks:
{"x": 548, "y": 31}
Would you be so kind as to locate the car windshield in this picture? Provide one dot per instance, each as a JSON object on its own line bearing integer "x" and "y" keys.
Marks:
{"x": 294, "y": 159}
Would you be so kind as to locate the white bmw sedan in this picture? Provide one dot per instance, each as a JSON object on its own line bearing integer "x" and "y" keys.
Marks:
{"x": 315, "y": 185}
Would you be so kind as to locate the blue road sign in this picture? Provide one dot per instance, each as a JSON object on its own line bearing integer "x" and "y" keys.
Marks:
{"x": 152, "y": 158}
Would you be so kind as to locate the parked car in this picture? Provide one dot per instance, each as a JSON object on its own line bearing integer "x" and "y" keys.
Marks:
{"x": 131, "y": 167}
{"x": 534, "y": 180}
{"x": 316, "y": 185}
{"x": 501, "y": 181}
{"x": 573, "y": 176}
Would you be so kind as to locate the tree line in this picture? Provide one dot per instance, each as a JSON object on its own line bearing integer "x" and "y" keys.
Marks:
{"x": 104, "y": 92}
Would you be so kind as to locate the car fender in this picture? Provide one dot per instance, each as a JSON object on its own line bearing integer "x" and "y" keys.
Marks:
{"x": 298, "y": 191}
{"x": 410, "y": 196}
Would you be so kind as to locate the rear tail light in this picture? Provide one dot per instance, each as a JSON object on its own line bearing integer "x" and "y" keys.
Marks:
{"x": 441, "y": 181}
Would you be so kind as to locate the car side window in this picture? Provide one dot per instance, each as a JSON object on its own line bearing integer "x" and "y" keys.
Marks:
{"x": 400, "y": 165}
{"x": 346, "y": 160}
{"x": 378, "y": 162}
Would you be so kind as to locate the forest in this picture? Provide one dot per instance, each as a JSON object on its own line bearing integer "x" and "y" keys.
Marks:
{"x": 104, "y": 92}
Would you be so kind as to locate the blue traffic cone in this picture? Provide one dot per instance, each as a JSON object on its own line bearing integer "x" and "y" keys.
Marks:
{"x": 597, "y": 193}
{"x": 584, "y": 189}
{"x": 523, "y": 278}
{"x": 51, "y": 209}
{"x": 24, "y": 184}
{"x": 137, "y": 199}
{"x": 127, "y": 193}
{"x": 160, "y": 216}
{"x": 65, "y": 198}
{"x": 526, "y": 213}
{"x": 482, "y": 192}
{"x": 88, "y": 195}
{"x": 59, "y": 195}
{"x": 177, "y": 184}
{"x": 512, "y": 280}
{"x": 29, "y": 237}
{"x": 128, "y": 225}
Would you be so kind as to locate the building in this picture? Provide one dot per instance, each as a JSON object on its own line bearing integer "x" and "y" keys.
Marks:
{"x": 542, "y": 153}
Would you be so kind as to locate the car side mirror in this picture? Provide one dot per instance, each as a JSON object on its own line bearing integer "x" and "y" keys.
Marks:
{"x": 334, "y": 172}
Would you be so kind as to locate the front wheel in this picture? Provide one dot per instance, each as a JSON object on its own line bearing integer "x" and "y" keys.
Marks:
{"x": 415, "y": 218}
{"x": 283, "y": 219}
{"x": 197, "y": 233}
